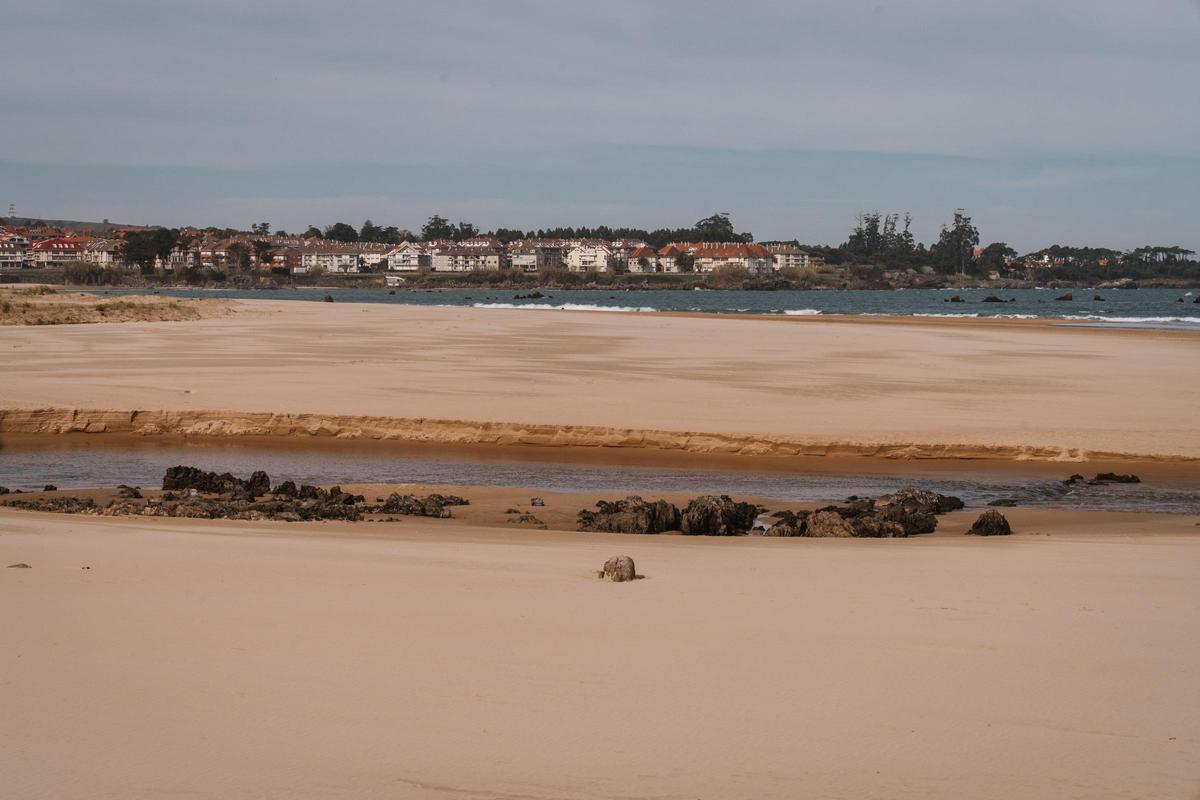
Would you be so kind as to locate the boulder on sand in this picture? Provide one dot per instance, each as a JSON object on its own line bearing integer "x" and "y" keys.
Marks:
{"x": 618, "y": 569}
{"x": 990, "y": 523}
{"x": 1067, "y": 296}
{"x": 828, "y": 524}
{"x": 713, "y": 515}
{"x": 631, "y": 515}
{"x": 791, "y": 523}
{"x": 1113, "y": 477}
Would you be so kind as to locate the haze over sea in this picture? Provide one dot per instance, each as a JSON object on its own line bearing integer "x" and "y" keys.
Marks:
{"x": 1153, "y": 308}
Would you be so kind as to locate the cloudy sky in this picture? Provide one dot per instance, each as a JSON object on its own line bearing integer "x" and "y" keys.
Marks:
{"x": 1065, "y": 121}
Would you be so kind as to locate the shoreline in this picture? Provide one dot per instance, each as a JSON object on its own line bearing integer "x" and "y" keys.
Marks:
{"x": 201, "y": 425}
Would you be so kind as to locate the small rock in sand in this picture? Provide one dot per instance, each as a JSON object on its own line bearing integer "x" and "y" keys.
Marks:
{"x": 537, "y": 501}
{"x": 19, "y": 566}
{"x": 618, "y": 569}
{"x": 990, "y": 523}
{"x": 49, "y": 487}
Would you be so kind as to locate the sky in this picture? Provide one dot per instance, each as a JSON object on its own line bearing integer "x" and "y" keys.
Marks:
{"x": 1049, "y": 121}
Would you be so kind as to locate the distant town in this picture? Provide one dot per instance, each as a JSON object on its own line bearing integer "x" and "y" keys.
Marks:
{"x": 879, "y": 250}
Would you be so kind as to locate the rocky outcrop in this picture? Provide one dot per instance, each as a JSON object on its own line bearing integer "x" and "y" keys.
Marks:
{"x": 1065, "y": 297}
{"x": 434, "y": 505}
{"x": 788, "y": 523}
{"x": 990, "y": 523}
{"x": 1114, "y": 477}
{"x": 713, "y": 515}
{"x": 908, "y": 512}
{"x": 991, "y": 298}
{"x": 631, "y": 515}
{"x": 183, "y": 478}
{"x": 618, "y": 569}
{"x": 828, "y": 524}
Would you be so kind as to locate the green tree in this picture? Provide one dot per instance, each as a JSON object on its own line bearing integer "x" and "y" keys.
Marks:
{"x": 718, "y": 228}
{"x": 313, "y": 232}
{"x": 685, "y": 262}
{"x": 438, "y": 227}
{"x": 341, "y": 232}
{"x": 370, "y": 232}
{"x": 955, "y": 248}
{"x": 995, "y": 257}
{"x": 237, "y": 256}
{"x": 465, "y": 230}
{"x": 261, "y": 229}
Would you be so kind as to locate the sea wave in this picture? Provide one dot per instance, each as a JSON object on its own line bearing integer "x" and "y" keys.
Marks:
{"x": 1131, "y": 320}
{"x": 563, "y": 307}
{"x": 802, "y": 312}
{"x": 940, "y": 315}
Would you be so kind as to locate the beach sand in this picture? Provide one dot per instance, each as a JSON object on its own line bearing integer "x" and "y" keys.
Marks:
{"x": 637, "y": 381}
{"x": 477, "y": 658}
{"x": 237, "y": 660}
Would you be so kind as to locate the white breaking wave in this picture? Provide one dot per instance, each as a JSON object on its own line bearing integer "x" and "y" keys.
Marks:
{"x": 1097, "y": 318}
{"x": 802, "y": 312}
{"x": 937, "y": 315}
{"x": 563, "y": 307}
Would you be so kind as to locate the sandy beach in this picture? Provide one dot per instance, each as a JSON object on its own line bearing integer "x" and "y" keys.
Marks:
{"x": 700, "y": 384}
{"x": 478, "y": 657}
{"x": 147, "y": 658}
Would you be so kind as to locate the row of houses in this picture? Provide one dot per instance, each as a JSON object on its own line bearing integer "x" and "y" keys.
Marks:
{"x": 299, "y": 255}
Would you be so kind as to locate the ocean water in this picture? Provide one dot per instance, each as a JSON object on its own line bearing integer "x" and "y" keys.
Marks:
{"x": 77, "y": 464}
{"x": 1156, "y": 308}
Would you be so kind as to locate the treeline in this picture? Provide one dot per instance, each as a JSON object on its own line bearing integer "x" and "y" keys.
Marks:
{"x": 715, "y": 228}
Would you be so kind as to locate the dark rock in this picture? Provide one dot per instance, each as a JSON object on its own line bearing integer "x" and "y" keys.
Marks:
{"x": 828, "y": 524}
{"x": 128, "y": 492}
{"x": 991, "y": 298}
{"x": 4, "y": 490}
{"x": 954, "y": 299}
{"x": 182, "y": 478}
{"x": 1074, "y": 479}
{"x": 631, "y": 515}
{"x": 711, "y": 515}
{"x": 49, "y": 487}
{"x": 328, "y": 298}
{"x": 285, "y": 489}
{"x": 1004, "y": 502}
{"x": 391, "y": 291}
{"x": 537, "y": 501}
{"x": 908, "y": 518}
{"x": 535, "y": 295}
{"x": 527, "y": 519}
{"x": 877, "y": 527}
{"x": 790, "y": 523}
{"x": 1097, "y": 298}
{"x": 434, "y": 505}
{"x": 618, "y": 569}
{"x": 1197, "y": 300}
{"x": 57, "y": 505}
{"x": 931, "y": 501}
{"x": 1067, "y": 296}
{"x": 990, "y": 523}
{"x": 22, "y": 565}
{"x": 1113, "y": 477}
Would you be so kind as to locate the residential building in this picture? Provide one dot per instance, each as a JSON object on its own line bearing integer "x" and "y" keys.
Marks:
{"x": 104, "y": 253}
{"x": 57, "y": 251}
{"x": 788, "y": 256}
{"x": 468, "y": 258}
{"x": 535, "y": 255}
{"x": 644, "y": 259}
{"x": 12, "y": 254}
{"x": 328, "y": 258}
{"x": 409, "y": 257}
{"x": 594, "y": 256}
{"x": 753, "y": 257}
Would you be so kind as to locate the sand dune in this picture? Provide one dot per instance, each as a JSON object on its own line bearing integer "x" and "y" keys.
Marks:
{"x": 256, "y": 660}
{"x": 699, "y": 384}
